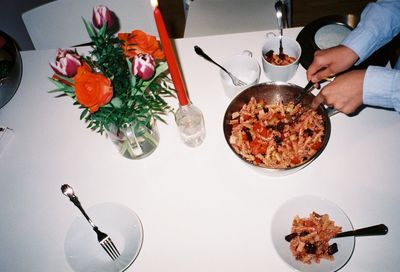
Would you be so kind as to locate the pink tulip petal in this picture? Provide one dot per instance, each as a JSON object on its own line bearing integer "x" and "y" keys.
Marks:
{"x": 57, "y": 69}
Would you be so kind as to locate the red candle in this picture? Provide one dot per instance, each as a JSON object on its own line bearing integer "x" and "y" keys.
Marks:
{"x": 170, "y": 56}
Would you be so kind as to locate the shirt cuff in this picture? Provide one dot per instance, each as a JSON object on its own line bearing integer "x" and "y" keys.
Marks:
{"x": 381, "y": 87}
{"x": 362, "y": 42}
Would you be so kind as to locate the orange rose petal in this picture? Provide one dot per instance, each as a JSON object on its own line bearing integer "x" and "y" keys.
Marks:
{"x": 138, "y": 42}
{"x": 92, "y": 90}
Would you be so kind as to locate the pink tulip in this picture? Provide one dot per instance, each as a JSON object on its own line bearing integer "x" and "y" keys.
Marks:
{"x": 66, "y": 63}
{"x": 101, "y": 15}
{"x": 143, "y": 66}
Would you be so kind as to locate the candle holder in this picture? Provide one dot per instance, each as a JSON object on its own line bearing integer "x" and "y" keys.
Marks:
{"x": 190, "y": 122}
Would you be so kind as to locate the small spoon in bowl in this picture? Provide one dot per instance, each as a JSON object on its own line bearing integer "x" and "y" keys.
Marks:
{"x": 279, "y": 15}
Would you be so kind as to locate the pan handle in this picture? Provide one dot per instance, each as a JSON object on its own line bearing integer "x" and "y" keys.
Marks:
{"x": 331, "y": 111}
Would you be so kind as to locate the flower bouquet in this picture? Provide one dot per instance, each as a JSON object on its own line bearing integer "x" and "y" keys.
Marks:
{"x": 120, "y": 84}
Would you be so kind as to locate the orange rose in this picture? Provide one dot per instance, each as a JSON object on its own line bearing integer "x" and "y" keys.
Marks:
{"x": 138, "y": 42}
{"x": 92, "y": 90}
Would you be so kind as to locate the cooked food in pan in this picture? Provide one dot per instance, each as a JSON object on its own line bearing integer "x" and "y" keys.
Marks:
{"x": 276, "y": 135}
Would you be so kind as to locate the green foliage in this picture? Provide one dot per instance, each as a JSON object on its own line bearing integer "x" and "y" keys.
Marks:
{"x": 134, "y": 99}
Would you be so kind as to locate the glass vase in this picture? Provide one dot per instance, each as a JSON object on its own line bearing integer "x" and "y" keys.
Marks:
{"x": 135, "y": 140}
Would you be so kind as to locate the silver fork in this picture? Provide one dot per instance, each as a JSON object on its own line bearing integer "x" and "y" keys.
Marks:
{"x": 235, "y": 80}
{"x": 104, "y": 240}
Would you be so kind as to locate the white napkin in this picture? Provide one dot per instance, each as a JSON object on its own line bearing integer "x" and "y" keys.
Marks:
{"x": 6, "y": 134}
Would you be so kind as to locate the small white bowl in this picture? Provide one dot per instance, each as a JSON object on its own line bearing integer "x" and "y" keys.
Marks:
{"x": 244, "y": 67}
{"x": 290, "y": 47}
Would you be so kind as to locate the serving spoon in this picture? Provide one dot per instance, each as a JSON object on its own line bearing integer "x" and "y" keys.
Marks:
{"x": 309, "y": 87}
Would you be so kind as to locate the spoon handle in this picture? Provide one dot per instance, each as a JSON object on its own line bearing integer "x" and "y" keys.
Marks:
{"x": 201, "y": 53}
{"x": 380, "y": 229}
{"x": 69, "y": 192}
{"x": 304, "y": 92}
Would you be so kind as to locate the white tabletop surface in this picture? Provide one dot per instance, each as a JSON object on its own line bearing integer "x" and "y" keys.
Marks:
{"x": 214, "y": 17}
{"x": 202, "y": 209}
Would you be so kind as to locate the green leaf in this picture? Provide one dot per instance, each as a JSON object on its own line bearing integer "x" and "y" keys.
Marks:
{"x": 133, "y": 79}
{"x": 57, "y": 83}
{"x": 116, "y": 102}
{"x": 56, "y": 91}
{"x": 67, "y": 79}
{"x": 89, "y": 29}
{"x": 103, "y": 29}
{"x": 83, "y": 114}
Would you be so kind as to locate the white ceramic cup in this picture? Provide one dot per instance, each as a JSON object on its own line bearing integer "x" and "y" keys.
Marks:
{"x": 290, "y": 47}
{"x": 244, "y": 67}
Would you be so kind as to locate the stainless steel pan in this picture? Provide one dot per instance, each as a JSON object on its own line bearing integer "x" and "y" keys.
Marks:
{"x": 274, "y": 92}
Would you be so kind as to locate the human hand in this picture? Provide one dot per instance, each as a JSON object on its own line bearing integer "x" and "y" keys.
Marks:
{"x": 331, "y": 61}
{"x": 344, "y": 93}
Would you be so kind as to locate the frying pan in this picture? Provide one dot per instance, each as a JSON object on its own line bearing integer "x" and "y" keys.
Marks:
{"x": 9, "y": 57}
{"x": 272, "y": 93}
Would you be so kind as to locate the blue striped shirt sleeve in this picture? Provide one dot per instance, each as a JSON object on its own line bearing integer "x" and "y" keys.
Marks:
{"x": 379, "y": 23}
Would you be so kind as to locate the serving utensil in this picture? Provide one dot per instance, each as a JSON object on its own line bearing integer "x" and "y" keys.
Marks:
{"x": 380, "y": 229}
{"x": 309, "y": 87}
{"x": 279, "y": 17}
{"x": 104, "y": 240}
{"x": 304, "y": 92}
{"x": 235, "y": 80}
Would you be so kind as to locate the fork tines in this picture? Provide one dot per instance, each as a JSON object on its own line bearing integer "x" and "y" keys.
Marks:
{"x": 237, "y": 82}
{"x": 110, "y": 248}
{"x": 241, "y": 83}
{"x": 106, "y": 242}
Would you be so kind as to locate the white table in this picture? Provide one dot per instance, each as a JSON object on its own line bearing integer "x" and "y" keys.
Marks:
{"x": 202, "y": 209}
{"x": 216, "y": 17}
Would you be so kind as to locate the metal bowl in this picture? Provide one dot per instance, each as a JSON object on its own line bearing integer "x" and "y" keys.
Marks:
{"x": 272, "y": 93}
{"x": 11, "y": 68}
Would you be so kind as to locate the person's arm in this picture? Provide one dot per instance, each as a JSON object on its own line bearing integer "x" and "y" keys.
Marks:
{"x": 377, "y": 86}
{"x": 379, "y": 23}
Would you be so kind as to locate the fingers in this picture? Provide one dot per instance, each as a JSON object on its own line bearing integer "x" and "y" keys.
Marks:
{"x": 317, "y": 65}
{"x": 321, "y": 75}
{"x": 326, "y": 97}
{"x": 318, "y": 100}
{"x": 319, "y": 69}
{"x": 328, "y": 62}
{"x": 344, "y": 93}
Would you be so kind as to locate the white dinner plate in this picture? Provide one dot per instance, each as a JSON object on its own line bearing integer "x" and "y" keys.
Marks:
{"x": 83, "y": 251}
{"x": 303, "y": 206}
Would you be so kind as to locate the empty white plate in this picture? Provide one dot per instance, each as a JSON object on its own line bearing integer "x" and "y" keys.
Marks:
{"x": 83, "y": 251}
